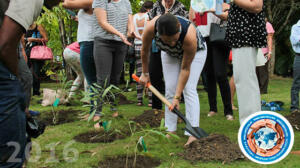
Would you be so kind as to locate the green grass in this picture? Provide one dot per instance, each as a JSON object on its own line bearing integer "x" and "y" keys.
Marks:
{"x": 279, "y": 89}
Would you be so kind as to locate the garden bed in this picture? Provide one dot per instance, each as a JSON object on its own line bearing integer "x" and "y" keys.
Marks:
{"x": 215, "y": 147}
{"x": 100, "y": 136}
{"x": 122, "y": 100}
{"x": 294, "y": 119}
{"x": 120, "y": 162}
{"x": 64, "y": 116}
{"x": 150, "y": 117}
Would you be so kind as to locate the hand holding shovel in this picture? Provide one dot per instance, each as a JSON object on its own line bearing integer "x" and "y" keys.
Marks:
{"x": 195, "y": 131}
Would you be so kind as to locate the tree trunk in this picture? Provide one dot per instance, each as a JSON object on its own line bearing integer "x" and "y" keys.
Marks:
{"x": 272, "y": 61}
{"x": 63, "y": 37}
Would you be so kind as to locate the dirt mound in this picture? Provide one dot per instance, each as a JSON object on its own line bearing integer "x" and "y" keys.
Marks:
{"x": 64, "y": 116}
{"x": 120, "y": 162}
{"x": 123, "y": 100}
{"x": 99, "y": 136}
{"x": 294, "y": 119}
{"x": 151, "y": 117}
{"x": 212, "y": 148}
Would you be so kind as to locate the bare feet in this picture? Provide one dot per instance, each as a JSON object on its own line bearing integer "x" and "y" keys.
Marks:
{"x": 234, "y": 108}
{"x": 168, "y": 134}
{"x": 96, "y": 118}
{"x": 190, "y": 140}
{"x": 139, "y": 104}
{"x": 211, "y": 113}
{"x": 85, "y": 117}
{"x": 149, "y": 105}
{"x": 115, "y": 114}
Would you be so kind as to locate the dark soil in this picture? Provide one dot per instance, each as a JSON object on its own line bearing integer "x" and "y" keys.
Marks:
{"x": 99, "y": 136}
{"x": 64, "y": 116}
{"x": 123, "y": 100}
{"x": 151, "y": 117}
{"x": 212, "y": 148}
{"x": 294, "y": 119}
{"x": 120, "y": 162}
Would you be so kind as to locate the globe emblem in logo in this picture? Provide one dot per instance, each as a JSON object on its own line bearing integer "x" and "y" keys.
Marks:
{"x": 266, "y": 137}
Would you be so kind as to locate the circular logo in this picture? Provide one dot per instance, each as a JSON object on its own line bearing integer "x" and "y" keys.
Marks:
{"x": 266, "y": 137}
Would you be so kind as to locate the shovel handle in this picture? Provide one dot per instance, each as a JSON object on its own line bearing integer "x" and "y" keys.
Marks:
{"x": 154, "y": 91}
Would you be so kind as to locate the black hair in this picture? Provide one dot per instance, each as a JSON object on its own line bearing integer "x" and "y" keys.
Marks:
{"x": 167, "y": 24}
{"x": 147, "y": 5}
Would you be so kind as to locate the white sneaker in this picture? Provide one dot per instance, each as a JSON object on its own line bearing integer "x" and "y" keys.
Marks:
{"x": 229, "y": 117}
{"x": 211, "y": 113}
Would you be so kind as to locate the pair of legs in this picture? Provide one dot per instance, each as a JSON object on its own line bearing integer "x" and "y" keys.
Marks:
{"x": 36, "y": 66}
{"x": 139, "y": 87}
{"x": 109, "y": 58}
{"x": 244, "y": 64}
{"x": 73, "y": 59}
{"x": 216, "y": 64}
{"x": 262, "y": 73}
{"x": 171, "y": 70}
{"x": 12, "y": 120}
{"x": 88, "y": 67}
{"x": 156, "y": 77}
{"x": 296, "y": 84}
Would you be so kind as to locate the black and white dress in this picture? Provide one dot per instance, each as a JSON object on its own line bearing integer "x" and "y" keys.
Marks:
{"x": 246, "y": 29}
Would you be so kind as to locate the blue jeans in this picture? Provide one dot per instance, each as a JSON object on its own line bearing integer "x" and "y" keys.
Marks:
{"x": 12, "y": 120}
{"x": 296, "y": 84}
{"x": 88, "y": 64}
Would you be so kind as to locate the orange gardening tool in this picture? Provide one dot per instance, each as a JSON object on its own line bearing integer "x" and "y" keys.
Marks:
{"x": 195, "y": 131}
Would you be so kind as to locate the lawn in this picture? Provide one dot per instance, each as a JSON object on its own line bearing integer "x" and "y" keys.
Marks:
{"x": 52, "y": 149}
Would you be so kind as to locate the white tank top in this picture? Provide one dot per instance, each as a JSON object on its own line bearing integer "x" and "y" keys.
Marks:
{"x": 137, "y": 18}
{"x": 85, "y": 26}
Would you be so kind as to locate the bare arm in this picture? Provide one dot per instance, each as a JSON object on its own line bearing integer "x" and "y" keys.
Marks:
{"x": 190, "y": 49}
{"x": 102, "y": 20}
{"x": 191, "y": 14}
{"x": 148, "y": 35}
{"x": 10, "y": 35}
{"x": 224, "y": 14}
{"x": 78, "y": 4}
{"x": 130, "y": 27}
{"x": 270, "y": 44}
{"x": 252, "y": 6}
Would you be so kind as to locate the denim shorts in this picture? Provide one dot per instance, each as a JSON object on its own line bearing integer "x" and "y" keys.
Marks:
{"x": 12, "y": 120}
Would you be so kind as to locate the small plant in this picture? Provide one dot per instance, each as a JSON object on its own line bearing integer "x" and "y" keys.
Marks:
{"x": 140, "y": 145}
{"x": 61, "y": 92}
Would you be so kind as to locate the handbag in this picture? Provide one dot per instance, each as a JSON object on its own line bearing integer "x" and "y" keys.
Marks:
{"x": 34, "y": 128}
{"x": 217, "y": 33}
{"x": 41, "y": 53}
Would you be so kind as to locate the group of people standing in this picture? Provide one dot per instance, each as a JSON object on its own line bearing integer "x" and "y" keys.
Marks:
{"x": 171, "y": 53}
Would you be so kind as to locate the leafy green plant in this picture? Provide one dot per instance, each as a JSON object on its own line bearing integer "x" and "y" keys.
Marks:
{"x": 62, "y": 89}
{"x": 140, "y": 145}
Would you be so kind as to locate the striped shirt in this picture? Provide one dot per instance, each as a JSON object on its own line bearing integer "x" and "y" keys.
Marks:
{"x": 117, "y": 16}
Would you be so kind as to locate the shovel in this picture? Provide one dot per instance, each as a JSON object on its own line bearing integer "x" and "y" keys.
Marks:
{"x": 195, "y": 131}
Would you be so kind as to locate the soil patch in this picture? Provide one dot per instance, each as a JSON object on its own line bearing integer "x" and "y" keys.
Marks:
{"x": 120, "y": 162}
{"x": 64, "y": 116}
{"x": 123, "y": 100}
{"x": 212, "y": 148}
{"x": 294, "y": 119}
{"x": 151, "y": 117}
{"x": 100, "y": 136}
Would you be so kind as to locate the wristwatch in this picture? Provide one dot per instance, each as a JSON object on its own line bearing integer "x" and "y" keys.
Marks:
{"x": 146, "y": 74}
{"x": 177, "y": 97}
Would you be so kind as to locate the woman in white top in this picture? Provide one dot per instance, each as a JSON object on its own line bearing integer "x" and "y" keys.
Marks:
{"x": 85, "y": 38}
{"x": 139, "y": 24}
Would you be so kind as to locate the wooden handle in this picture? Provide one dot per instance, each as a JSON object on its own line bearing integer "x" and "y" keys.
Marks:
{"x": 154, "y": 91}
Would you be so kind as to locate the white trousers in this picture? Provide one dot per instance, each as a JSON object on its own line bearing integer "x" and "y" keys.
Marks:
{"x": 245, "y": 78}
{"x": 171, "y": 69}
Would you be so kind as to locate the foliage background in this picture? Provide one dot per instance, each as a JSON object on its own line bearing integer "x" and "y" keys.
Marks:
{"x": 280, "y": 10}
